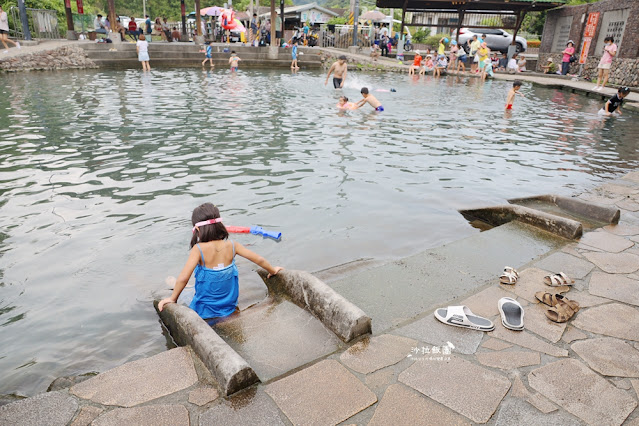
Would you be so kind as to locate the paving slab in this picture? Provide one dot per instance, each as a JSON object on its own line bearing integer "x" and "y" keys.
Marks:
{"x": 581, "y": 392}
{"x": 277, "y": 336}
{"x": 248, "y": 407}
{"x": 403, "y": 406}
{"x": 203, "y": 396}
{"x": 536, "y": 321}
{"x": 87, "y": 414}
{"x": 484, "y": 303}
{"x": 429, "y": 330}
{"x": 518, "y": 412}
{"x": 605, "y": 241}
{"x": 632, "y": 177}
{"x": 323, "y": 394}
{"x": 563, "y": 262}
{"x": 148, "y": 415}
{"x": 496, "y": 344}
{"x": 520, "y": 391}
{"x": 615, "y": 287}
{"x": 609, "y": 356}
{"x": 448, "y": 382}
{"x": 613, "y": 319}
{"x": 616, "y": 189}
{"x": 605, "y": 199}
{"x": 401, "y": 290}
{"x": 531, "y": 280}
{"x": 372, "y": 353}
{"x": 635, "y": 384}
{"x": 585, "y": 299}
{"x": 571, "y": 334}
{"x": 527, "y": 340}
{"x": 615, "y": 263}
{"x": 140, "y": 381}
{"x": 380, "y": 379}
{"x": 508, "y": 360}
{"x": 623, "y": 228}
{"x": 627, "y": 204}
{"x": 45, "y": 409}
{"x": 621, "y": 383}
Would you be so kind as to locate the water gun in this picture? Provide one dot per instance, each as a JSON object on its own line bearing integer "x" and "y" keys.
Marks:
{"x": 255, "y": 230}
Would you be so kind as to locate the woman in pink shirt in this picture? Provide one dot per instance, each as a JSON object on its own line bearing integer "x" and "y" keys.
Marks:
{"x": 568, "y": 52}
{"x": 610, "y": 51}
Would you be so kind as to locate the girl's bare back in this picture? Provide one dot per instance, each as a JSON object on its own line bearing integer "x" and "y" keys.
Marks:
{"x": 217, "y": 253}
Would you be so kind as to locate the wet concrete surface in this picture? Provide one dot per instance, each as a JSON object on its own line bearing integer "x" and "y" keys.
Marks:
{"x": 276, "y": 336}
{"x": 396, "y": 292}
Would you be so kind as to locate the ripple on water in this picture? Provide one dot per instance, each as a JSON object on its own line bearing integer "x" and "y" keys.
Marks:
{"x": 100, "y": 171}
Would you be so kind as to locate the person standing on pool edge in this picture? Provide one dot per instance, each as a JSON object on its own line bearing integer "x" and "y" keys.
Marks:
{"x": 216, "y": 287}
{"x": 610, "y": 51}
{"x": 339, "y": 70}
{"x": 370, "y": 99}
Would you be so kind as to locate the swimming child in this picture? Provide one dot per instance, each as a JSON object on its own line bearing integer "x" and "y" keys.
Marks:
{"x": 614, "y": 104}
{"x": 370, "y": 99}
{"x": 294, "y": 55}
{"x": 511, "y": 94}
{"x": 216, "y": 287}
{"x": 209, "y": 55}
{"x": 417, "y": 63}
{"x": 427, "y": 65}
{"x": 234, "y": 61}
{"x": 344, "y": 104}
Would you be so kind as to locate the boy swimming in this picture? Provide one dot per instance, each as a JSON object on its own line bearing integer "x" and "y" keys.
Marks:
{"x": 234, "y": 61}
{"x": 344, "y": 104}
{"x": 614, "y": 104}
{"x": 370, "y": 99}
{"x": 511, "y": 95}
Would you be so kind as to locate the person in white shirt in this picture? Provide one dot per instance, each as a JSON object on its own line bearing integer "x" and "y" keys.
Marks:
{"x": 99, "y": 25}
{"x": 512, "y": 64}
{"x": 142, "y": 47}
{"x": 4, "y": 31}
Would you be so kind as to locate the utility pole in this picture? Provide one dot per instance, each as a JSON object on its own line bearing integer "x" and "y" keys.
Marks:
{"x": 355, "y": 19}
{"x": 113, "y": 18}
{"x": 144, "y": 7}
{"x": 69, "y": 15}
{"x": 198, "y": 24}
{"x": 25, "y": 20}
{"x": 272, "y": 49}
{"x": 183, "y": 9}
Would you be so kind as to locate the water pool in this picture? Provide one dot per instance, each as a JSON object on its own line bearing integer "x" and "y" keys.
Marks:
{"x": 100, "y": 171}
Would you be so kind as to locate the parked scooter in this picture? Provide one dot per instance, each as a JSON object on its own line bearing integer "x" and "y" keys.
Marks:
{"x": 408, "y": 45}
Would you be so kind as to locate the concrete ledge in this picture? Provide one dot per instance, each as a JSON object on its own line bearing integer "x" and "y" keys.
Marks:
{"x": 231, "y": 371}
{"x": 500, "y": 215}
{"x": 606, "y": 214}
{"x": 339, "y": 315}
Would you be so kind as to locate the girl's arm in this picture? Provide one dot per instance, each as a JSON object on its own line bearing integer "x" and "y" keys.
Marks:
{"x": 257, "y": 259}
{"x": 183, "y": 278}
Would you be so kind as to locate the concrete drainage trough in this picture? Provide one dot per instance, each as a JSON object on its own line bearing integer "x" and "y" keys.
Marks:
{"x": 558, "y": 225}
{"x": 231, "y": 371}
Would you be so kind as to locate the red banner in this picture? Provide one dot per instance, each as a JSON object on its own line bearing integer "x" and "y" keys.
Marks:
{"x": 591, "y": 25}
{"x": 585, "y": 47}
{"x": 80, "y": 7}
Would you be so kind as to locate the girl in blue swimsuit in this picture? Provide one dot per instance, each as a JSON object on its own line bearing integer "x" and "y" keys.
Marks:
{"x": 212, "y": 257}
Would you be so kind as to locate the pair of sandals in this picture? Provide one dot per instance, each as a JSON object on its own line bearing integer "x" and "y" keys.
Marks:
{"x": 510, "y": 276}
{"x": 512, "y": 316}
{"x": 561, "y": 308}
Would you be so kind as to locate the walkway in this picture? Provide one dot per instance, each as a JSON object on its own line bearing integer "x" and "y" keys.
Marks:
{"x": 584, "y": 371}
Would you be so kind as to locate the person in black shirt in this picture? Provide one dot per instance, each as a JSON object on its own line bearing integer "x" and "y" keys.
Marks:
{"x": 614, "y": 103}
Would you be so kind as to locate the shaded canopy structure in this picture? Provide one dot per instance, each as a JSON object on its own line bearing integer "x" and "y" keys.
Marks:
{"x": 507, "y": 14}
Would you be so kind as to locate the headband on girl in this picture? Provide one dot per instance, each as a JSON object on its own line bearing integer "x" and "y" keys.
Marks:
{"x": 207, "y": 222}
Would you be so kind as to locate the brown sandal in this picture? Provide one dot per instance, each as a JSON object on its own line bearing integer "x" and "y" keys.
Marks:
{"x": 562, "y": 312}
{"x": 553, "y": 299}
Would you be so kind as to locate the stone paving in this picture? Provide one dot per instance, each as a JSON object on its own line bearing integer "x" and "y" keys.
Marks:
{"x": 585, "y": 371}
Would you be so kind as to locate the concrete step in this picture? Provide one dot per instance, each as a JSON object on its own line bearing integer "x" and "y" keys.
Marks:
{"x": 193, "y": 55}
{"x": 180, "y": 62}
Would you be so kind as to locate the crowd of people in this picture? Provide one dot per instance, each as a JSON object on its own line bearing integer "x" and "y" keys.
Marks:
{"x": 475, "y": 54}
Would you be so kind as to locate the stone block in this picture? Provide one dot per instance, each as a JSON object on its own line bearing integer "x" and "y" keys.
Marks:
{"x": 615, "y": 287}
{"x": 203, "y": 396}
{"x": 402, "y": 406}
{"x": 617, "y": 263}
{"x": 526, "y": 340}
{"x": 45, "y": 409}
{"x": 613, "y": 320}
{"x": 571, "y": 334}
{"x": 517, "y": 412}
{"x": 248, "y": 407}
{"x": 562, "y": 262}
{"x": 605, "y": 241}
{"x": 140, "y": 381}
{"x": 372, "y": 353}
{"x": 323, "y": 394}
{"x": 536, "y": 321}
{"x": 608, "y": 356}
{"x": 87, "y": 414}
{"x": 449, "y": 383}
{"x": 148, "y": 415}
{"x": 495, "y": 344}
{"x": 578, "y": 390}
{"x": 508, "y": 360}
{"x": 625, "y": 229}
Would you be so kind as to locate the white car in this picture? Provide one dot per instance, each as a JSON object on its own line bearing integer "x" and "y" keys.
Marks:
{"x": 495, "y": 39}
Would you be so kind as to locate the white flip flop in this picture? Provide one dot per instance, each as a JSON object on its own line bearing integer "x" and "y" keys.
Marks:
{"x": 461, "y": 316}
{"x": 512, "y": 313}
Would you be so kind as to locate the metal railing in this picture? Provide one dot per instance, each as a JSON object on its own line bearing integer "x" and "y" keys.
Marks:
{"x": 43, "y": 23}
{"x": 342, "y": 36}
